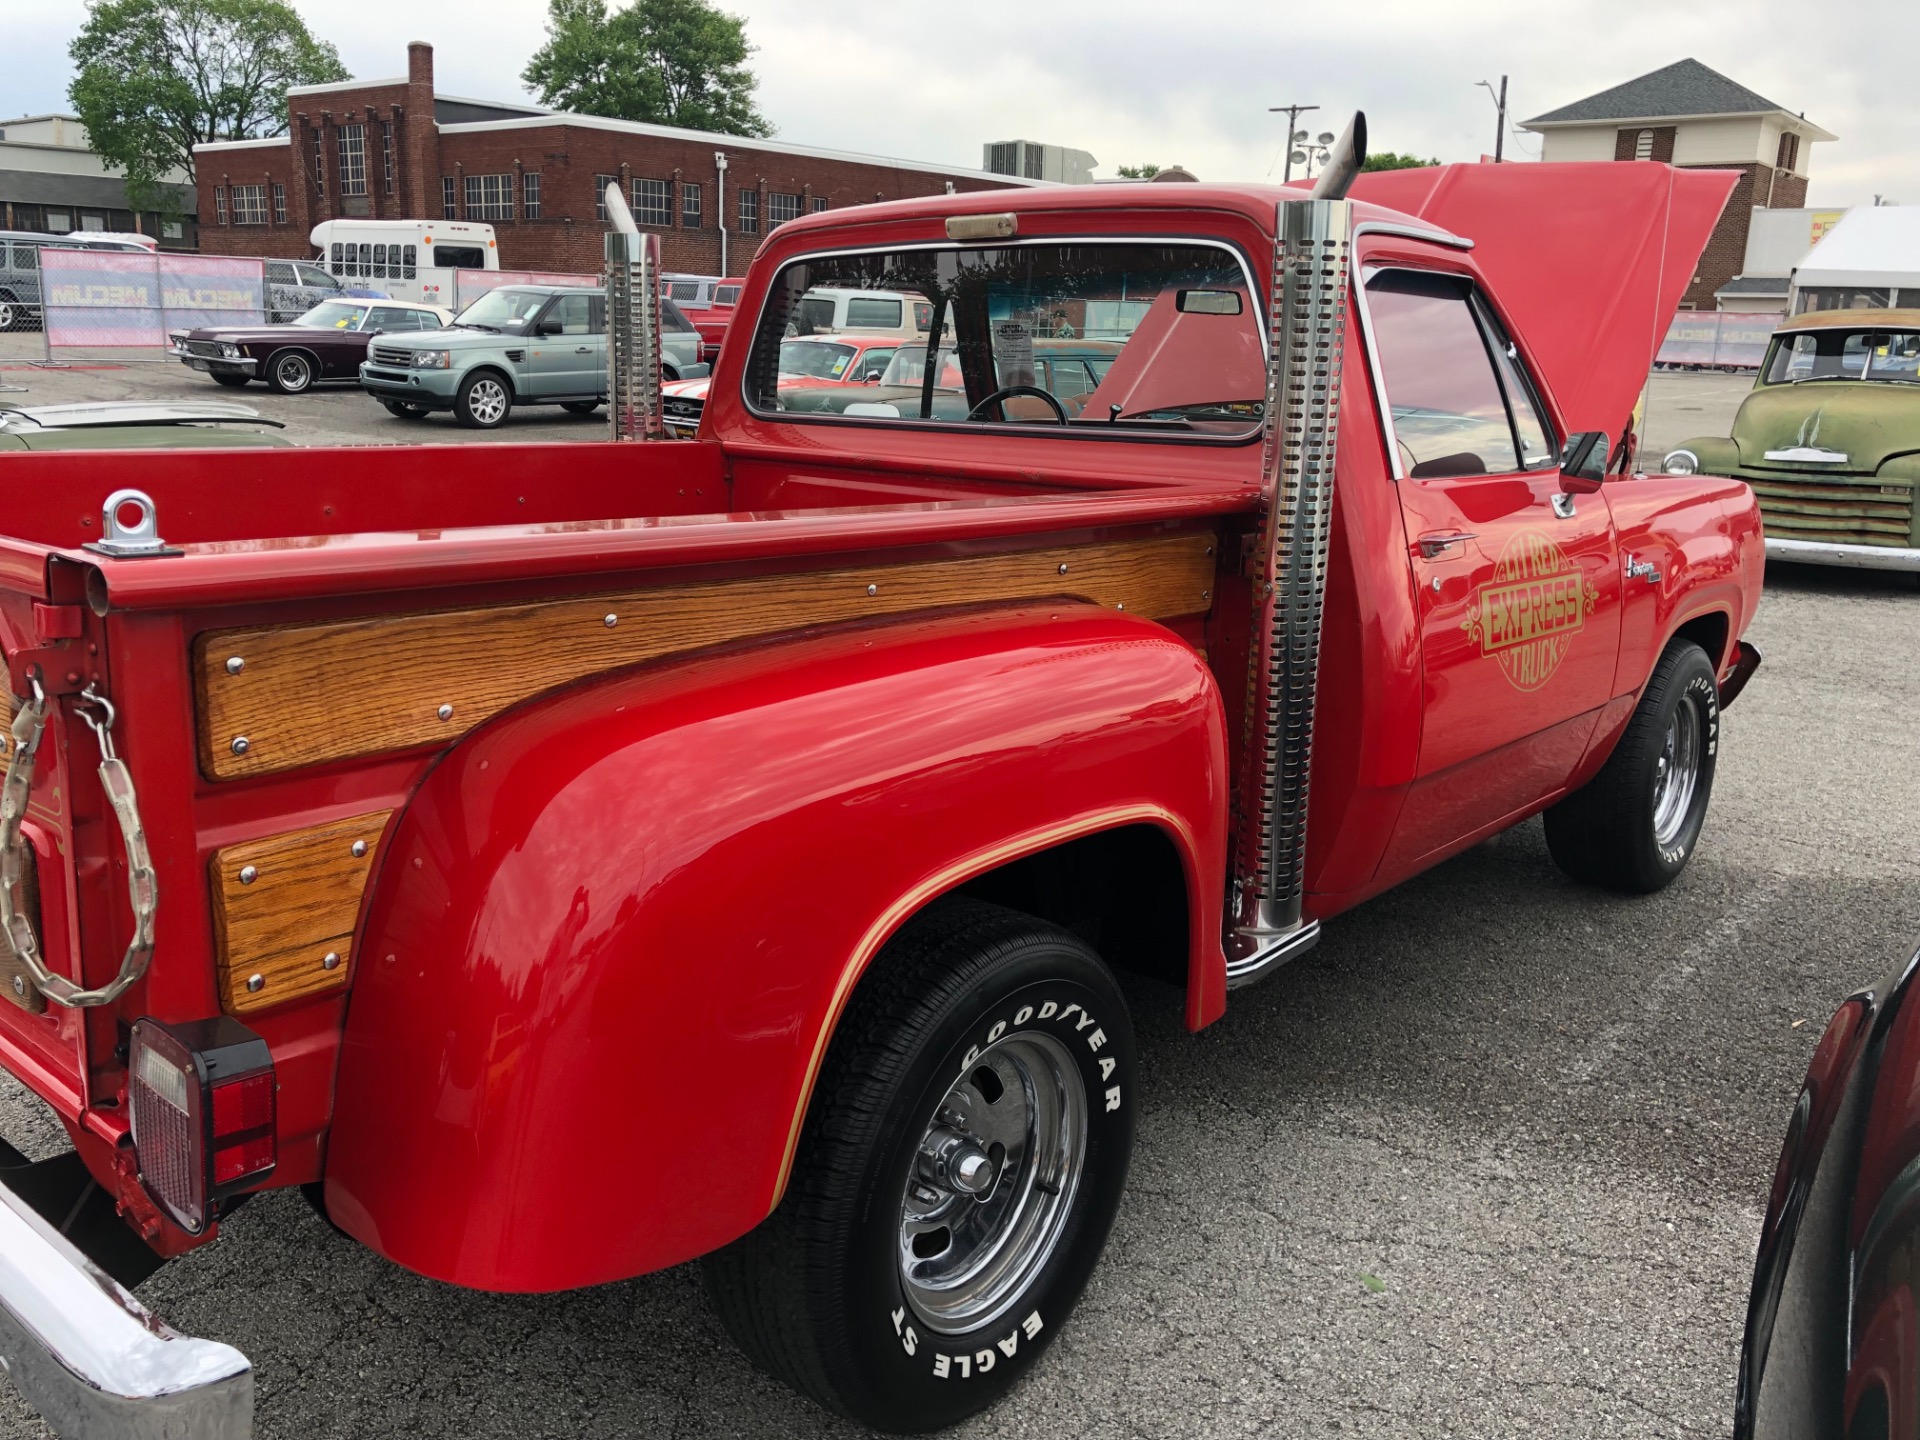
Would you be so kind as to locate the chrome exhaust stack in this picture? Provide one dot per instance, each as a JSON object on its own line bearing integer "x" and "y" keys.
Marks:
{"x": 1307, "y": 331}
{"x": 633, "y": 326}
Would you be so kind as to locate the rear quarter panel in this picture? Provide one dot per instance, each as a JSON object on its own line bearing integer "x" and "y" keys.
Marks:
{"x": 614, "y": 929}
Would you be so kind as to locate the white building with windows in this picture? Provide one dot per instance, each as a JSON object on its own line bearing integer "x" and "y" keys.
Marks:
{"x": 51, "y": 181}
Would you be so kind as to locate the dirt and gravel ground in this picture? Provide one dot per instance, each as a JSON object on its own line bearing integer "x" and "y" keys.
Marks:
{"x": 1542, "y": 1119}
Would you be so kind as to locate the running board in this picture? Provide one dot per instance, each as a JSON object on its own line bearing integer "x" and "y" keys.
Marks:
{"x": 1270, "y": 954}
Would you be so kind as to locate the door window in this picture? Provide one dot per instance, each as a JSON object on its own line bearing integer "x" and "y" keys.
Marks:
{"x": 386, "y": 317}
{"x": 1449, "y": 415}
{"x": 572, "y": 313}
{"x": 1530, "y": 427}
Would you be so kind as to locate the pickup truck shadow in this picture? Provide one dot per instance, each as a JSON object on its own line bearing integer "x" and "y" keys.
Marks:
{"x": 1543, "y": 1119}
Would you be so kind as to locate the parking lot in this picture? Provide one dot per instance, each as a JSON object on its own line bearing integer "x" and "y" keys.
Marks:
{"x": 1489, "y": 1161}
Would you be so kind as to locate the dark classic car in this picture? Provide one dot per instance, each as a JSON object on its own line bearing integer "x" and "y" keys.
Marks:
{"x": 326, "y": 343}
{"x": 1832, "y": 1344}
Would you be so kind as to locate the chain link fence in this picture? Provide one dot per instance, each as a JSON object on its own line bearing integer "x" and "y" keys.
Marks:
{"x": 121, "y": 306}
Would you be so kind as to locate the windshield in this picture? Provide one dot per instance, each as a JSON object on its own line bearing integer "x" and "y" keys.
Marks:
{"x": 502, "y": 307}
{"x": 815, "y": 360}
{"x": 1137, "y": 334}
{"x": 1889, "y": 356}
{"x": 334, "y": 315}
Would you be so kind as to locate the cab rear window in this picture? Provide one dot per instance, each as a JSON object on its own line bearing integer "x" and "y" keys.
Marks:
{"x": 1131, "y": 337}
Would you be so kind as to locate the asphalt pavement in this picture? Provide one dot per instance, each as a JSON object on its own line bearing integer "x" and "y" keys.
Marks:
{"x": 1490, "y": 1161}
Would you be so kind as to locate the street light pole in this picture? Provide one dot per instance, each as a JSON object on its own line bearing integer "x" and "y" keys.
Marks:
{"x": 1500, "y": 105}
{"x": 1293, "y": 114}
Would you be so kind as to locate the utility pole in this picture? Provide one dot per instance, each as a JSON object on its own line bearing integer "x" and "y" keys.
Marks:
{"x": 1293, "y": 113}
{"x": 1500, "y": 104}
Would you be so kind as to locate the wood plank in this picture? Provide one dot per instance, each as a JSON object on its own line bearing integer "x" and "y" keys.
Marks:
{"x": 300, "y": 905}
{"x": 309, "y": 694}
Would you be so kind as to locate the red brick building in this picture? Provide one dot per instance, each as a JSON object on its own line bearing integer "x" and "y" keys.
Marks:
{"x": 1691, "y": 116}
{"x": 395, "y": 149}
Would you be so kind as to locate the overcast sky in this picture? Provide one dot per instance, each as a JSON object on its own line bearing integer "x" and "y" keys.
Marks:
{"x": 1134, "y": 81}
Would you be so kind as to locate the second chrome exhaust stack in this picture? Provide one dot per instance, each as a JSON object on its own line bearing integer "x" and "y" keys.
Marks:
{"x": 1307, "y": 324}
{"x": 633, "y": 326}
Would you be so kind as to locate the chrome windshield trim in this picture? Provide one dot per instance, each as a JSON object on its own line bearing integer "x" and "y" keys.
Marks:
{"x": 93, "y": 1361}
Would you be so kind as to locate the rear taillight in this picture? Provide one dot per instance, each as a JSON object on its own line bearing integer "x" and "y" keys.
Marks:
{"x": 202, "y": 1100}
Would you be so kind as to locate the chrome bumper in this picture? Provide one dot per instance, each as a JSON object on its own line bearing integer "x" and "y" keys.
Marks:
{"x": 93, "y": 1362}
{"x": 1859, "y": 557}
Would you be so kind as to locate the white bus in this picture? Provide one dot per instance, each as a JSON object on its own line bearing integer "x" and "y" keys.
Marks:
{"x": 408, "y": 259}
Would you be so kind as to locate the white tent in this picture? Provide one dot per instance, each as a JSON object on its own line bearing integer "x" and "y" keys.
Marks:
{"x": 1871, "y": 246}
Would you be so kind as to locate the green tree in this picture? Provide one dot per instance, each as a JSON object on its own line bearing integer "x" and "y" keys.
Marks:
{"x": 154, "y": 78}
{"x": 1392, "y": 160}
{"x": 668, "y": 62}
{"x": 1138, "y": 172}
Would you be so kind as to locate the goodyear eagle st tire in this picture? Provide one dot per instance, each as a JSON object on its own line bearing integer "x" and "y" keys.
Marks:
{"x": 1634, "y": 826}
{"x": 484, "y": 401}
{"x": 959, "y": 1168}
{"x": 227, "y": 379}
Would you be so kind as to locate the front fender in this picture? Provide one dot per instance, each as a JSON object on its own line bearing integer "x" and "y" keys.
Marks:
{"x": 614, "y": 928}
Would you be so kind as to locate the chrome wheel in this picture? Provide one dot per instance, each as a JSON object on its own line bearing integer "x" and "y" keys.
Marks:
{"x": 292, "y": 373}
{"x": 487, "y": 401}
{"x": 6, "y": 315}
{"x": 993, "y": 1182}
{"x": 1676, "y": 773}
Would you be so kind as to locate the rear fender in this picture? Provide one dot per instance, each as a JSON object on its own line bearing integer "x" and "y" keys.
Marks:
{"x": 614, "y": 929}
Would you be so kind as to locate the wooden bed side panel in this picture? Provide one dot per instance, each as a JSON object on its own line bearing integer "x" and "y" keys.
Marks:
{"x": 283, "y": 903}
{"x": 277, "y": 698}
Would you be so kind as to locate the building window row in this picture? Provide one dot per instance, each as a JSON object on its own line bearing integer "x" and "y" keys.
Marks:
{"x": 530, "y": 195}
{"x": 220, "y": 204}
{"x": 690, "y": 204}
{"x": 749, "y": 212}
{"x": 279, "y": 203}
{"x": 448, "y": 210}
{"x": 386, "y": 153}
{"x": 319, "y": 165}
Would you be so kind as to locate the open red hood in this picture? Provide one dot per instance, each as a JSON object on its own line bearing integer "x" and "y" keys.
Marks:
{"x": 1586, "y": 261}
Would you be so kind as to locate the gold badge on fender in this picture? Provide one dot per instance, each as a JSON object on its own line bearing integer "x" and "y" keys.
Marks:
{"x": 1527, "y": 618}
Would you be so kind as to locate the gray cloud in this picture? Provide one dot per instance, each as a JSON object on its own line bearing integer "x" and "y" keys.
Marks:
{"x": 1134, "y": 81}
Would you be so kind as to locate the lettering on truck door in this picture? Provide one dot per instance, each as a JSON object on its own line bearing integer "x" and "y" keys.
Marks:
{"x": 1516, "y": 586}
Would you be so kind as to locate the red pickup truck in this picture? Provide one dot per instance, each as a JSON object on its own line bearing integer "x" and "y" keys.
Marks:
{"x": 568, "y": 861}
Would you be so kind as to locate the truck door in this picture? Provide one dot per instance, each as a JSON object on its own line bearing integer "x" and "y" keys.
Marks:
{"x": 1518, "y": 591}
{"x": 564, "y": 356}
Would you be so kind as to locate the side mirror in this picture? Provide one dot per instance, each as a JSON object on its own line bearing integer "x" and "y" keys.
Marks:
{"x": 547, "y": 327}
{"x": 1583, "y": 460}
{"x": 872, "y": 377}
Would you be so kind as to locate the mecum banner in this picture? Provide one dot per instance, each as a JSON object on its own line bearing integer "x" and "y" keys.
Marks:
{"x": 113, "y": 301}
{"x": 1731, "y": 339}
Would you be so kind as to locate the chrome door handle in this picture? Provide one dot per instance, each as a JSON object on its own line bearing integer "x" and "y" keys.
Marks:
{"x": 1433, "y": 546}
{"x": 1563, "y": 506}
{"x": 583, "y": 349}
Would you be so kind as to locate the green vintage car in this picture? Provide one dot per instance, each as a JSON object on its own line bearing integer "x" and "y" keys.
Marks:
{"x": 1830, "y": 440}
